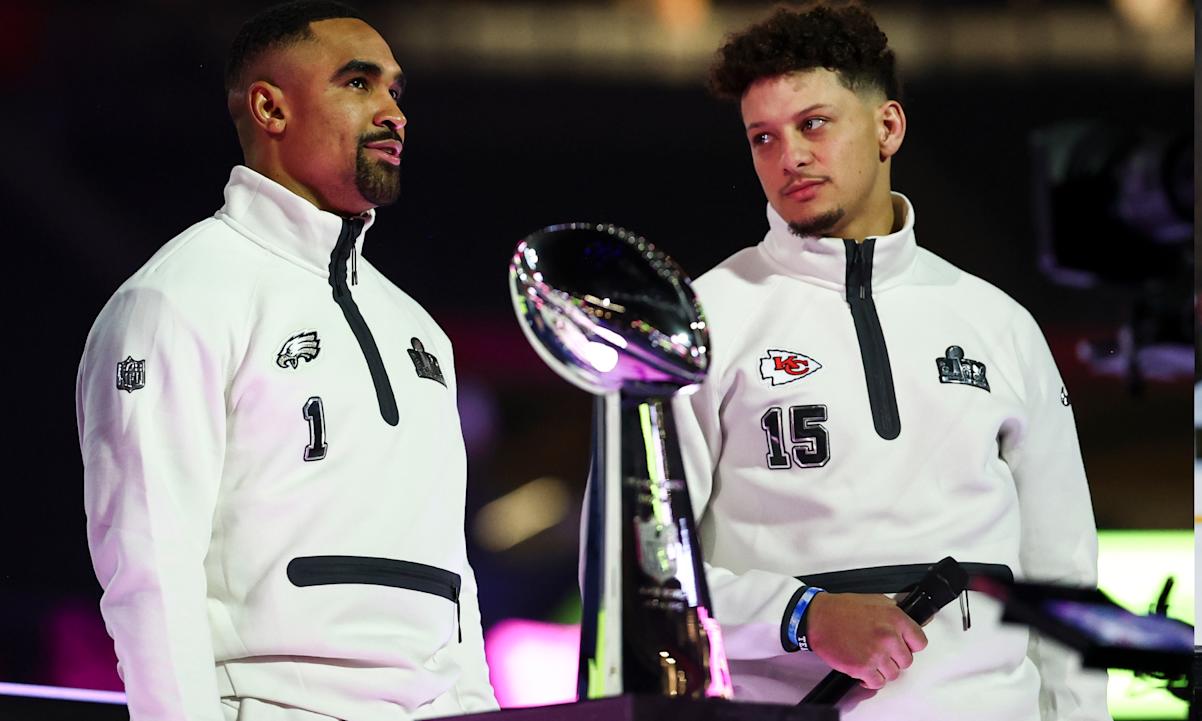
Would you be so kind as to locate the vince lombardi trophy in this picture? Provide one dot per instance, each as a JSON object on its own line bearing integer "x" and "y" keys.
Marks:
{"x": 616, "y": 317}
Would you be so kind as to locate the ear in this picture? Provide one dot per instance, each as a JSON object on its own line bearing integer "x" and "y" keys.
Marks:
{"x": 268, "y": 108}
{"x": 890, "y": 128}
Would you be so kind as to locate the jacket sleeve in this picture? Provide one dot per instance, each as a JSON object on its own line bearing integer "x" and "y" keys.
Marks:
{"x": 751, "y": 605}
{"x": 1059, "y": 540}
{"x": 473, "y": 690}
{"x": 152, "y": 456}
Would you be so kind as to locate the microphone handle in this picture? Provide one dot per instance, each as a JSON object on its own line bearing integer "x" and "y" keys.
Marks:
{"x": 830, "y": 689}
{"x": 835, "y": 685}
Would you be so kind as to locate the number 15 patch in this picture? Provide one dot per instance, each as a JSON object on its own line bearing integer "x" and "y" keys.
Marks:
{"x": 807, "y": 445}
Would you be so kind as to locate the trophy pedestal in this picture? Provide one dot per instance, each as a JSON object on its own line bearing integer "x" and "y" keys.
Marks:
{"x": 638, "y": 707}
{"x": 15, "y": 706}
{"x": 628, "y": 707}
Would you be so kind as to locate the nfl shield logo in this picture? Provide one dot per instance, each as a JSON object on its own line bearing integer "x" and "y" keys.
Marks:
{"x": 659, "y": 547}
{"x": 131, "y": 374}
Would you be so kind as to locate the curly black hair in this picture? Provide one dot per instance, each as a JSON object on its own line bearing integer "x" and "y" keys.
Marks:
{"x": 276, "y": 27}
{"x": 843, "y": 38}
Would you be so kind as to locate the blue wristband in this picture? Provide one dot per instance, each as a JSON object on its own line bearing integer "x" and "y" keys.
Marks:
{"x": 799, "y": 612}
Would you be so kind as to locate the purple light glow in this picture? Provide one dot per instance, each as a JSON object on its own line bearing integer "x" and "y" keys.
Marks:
{"x": 532, "y": 663}
{"x": 78, "y": 650}
{"x": 721, "y": 685}
{"x": 61, "y": 694}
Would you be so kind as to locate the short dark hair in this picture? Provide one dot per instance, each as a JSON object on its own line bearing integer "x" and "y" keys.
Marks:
{"x": 842, "y": 38}
{"x": 276, "y": 27}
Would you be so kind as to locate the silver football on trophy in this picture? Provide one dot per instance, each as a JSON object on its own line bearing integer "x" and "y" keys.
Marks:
{"x": 608, "y": 311}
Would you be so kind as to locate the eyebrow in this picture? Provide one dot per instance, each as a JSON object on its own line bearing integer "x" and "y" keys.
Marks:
{"x": 805, "y": 111}
{"x": 366, "y": 67}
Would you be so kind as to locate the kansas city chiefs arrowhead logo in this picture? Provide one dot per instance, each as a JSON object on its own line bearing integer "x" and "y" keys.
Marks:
{"x": 785, "y": 366}
{"x": 302, "y": 346}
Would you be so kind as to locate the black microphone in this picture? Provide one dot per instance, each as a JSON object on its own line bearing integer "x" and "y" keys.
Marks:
{"x": 943, "y": 582}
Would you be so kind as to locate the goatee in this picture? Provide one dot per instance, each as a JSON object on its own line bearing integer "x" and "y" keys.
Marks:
{"x": 378, "y": 181}
{"x": 818, "y": 225}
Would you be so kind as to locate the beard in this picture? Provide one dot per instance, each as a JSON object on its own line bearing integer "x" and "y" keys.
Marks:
{"x": 818, "y": 225}
{"x": 378, "y": 182}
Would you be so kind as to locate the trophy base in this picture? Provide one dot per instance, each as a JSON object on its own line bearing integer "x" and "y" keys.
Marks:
{"x": 638, "y": 707}
{"x": 628, "y": 707}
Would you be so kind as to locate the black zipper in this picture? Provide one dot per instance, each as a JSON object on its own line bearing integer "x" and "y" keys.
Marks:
{"x": 882, "y": 397}
{"x": 342, "y": 296}
{"x": 334, "y": 570}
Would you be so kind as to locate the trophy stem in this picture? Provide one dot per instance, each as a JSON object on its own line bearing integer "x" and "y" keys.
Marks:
{"x": 600, "y": 671}
{"x": 647, "y": 624}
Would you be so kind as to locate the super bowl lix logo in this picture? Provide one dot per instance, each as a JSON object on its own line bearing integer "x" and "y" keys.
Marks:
{"x": 955, "y": 368}
{"x": 785, "y": 366}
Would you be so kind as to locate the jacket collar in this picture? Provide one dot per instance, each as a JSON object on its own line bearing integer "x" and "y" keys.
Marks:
{"x": 282, "y": 222}
{"x": 824, "y": 260}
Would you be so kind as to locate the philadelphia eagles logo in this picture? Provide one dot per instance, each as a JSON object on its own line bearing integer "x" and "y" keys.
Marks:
{"x": 304, "y": 345}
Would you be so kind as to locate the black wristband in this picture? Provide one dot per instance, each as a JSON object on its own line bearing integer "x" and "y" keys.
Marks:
{"x": 785, "y": 642}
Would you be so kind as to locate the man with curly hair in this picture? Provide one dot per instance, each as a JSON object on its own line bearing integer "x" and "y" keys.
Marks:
{"x": 872, "y": 409}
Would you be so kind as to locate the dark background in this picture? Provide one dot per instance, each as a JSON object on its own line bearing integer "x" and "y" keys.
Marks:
{"x": 115, "y": 139}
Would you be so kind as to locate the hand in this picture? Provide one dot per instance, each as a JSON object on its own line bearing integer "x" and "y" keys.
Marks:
{"x": 864, "y": 635}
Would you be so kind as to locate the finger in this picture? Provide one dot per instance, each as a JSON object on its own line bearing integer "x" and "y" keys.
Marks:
{"x": 873, "y": 680}
{"x": 915, "y": 637}
{"x": 889, "y": 670}
{"x": 902, "y": 655}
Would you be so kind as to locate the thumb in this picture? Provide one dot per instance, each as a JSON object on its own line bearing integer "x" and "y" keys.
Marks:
{"x": 913, "y": 635}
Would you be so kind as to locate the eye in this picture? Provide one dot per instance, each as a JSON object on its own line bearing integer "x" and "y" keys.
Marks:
{"x": 760, "y": 139}
{"x": 813, "y": 123}
{"x": 396, "y": 94}
{"x": 358, "y": 83}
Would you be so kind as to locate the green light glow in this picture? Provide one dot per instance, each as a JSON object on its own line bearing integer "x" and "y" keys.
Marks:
{"x": 596, "y": 664}
{"x": 1132, "y": 568}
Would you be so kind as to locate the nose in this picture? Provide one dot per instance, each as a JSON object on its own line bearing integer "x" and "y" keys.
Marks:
{"x": 795, "y": 154}
{"x": 393, "y": 119}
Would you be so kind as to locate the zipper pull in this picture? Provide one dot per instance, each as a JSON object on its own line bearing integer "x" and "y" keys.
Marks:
{"x": 865, "y": 268}
{"x": 458, "y": 616}
{"x": 965, "y": 612}
{"x": 354, "y": 265}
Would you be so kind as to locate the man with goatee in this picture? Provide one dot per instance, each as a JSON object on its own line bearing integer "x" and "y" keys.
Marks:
{"x": 274, "y": 467}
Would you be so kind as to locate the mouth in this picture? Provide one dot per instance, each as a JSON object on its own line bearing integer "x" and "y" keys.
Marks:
{"x": 388, "y": 150}
{"x": 803, "y": 190}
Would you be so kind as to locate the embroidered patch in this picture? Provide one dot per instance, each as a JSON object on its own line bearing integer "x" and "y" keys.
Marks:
{"x": 1064, "y": 399}
{"x": 425, "y": 363}
{"x": 302, "y": 346}
{"x": 955, "y": 368}
{"x": 785, "y": 366}
{"x": 131, "y": 374}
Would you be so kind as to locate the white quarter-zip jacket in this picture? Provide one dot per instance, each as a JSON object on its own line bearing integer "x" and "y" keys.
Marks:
{"x": 274, "y": 476}
{"x": 870, "y": 410}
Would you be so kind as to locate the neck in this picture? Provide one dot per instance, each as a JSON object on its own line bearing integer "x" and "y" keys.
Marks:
{"x": 269, "y": 166}
{"x": 878, "y": 217}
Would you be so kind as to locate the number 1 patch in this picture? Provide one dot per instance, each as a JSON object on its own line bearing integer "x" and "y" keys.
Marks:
{"x": 315, "y": 413}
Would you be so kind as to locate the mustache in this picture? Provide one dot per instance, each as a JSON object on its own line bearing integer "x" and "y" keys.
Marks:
{"x": 382, "y": 135}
